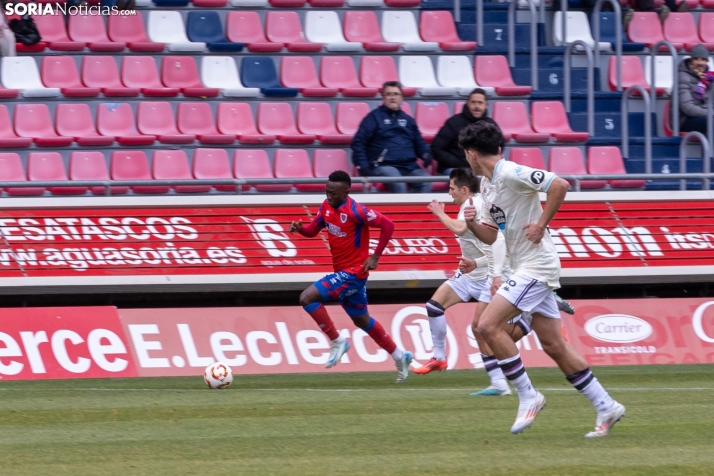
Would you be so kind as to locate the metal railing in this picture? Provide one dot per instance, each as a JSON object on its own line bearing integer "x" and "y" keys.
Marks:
{"x": 618, "y": 35}
{"x": 534, "y": 39}
{"x": 710, "y": 113}
{"x": 674, "y": 107}
{"x": 706, "y": 158}
{"x": 591, "y": 81}
{"x": 625, "y": 126}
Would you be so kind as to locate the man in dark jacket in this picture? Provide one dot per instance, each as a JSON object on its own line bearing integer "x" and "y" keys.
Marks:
{"x": 388, "y": 143}
{"x": 445, "y": 145}
{"x": 693, "y": 111}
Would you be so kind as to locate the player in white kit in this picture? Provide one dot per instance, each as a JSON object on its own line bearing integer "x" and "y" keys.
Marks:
{"x": 512, "y": 205}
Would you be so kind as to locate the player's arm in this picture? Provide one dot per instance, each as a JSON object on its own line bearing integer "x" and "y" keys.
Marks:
{"x": 485, "y": 232}
{"x": 456, "y": 226}
{"x": 311, "y": 229}
{"x": 386, "y": 229}
{"x": 555, "y": 196}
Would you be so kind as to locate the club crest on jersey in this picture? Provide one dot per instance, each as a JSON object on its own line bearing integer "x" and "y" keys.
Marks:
{"x": 498, "y": 216}
{"x": 402, "y": 122}
{"x": 343, "y": 217}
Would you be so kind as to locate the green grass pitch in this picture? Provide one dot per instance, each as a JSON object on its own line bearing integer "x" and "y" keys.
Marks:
{"x": 354, "y": 424}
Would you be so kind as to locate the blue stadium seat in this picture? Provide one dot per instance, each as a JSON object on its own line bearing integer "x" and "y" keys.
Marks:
{"x": 259, "y": 72}
{"x": 206, "y": 27}
{"x": 607, "y": 33}
{"x": 171, "y": 3}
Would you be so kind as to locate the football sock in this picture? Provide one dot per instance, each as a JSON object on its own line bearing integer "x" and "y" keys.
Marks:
{"x": 514, "y": 371}
{"x": 437, "y": 324}
{"x": 318, "y": 312}
{"x": 494, "y": 372}
{"x": 586, "y": 383}
{"x": 375, "y": 330}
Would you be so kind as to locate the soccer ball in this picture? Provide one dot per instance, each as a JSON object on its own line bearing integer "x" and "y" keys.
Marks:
{"x": 218, "y": 375}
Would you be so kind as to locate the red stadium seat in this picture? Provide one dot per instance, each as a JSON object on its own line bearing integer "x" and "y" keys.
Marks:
{"x": 91, "y": 166}
{"x": 90, "y": 29}
{"x": 569, "y": 161}
{"x": 646, "y": 28}
{"x": 209, "y": 3}
{"x": 11, "y": 170}
{"x": 140, "y": 72}
{"x": 439, "y": 26}
{"x": 173, "y": 165}
{"x": 315, "y": 118}
{"x": 8, "y": 138}
{"x": 608, "y": 160}
{"x": 8, "y": 93}
{"x": 287, "y": 3}
{"x": 406, "y": 107}
{"x": 349, "y": 115}
{"x": 362, "y": 26}
{"x": 632, "y": 73}
{"x": 299, "y": 72}
{"x": 102, "y": 72}
{"x": 276, "y": 118}
{"x": 339, "y": 72}
{"x": 402, "y": 3}
{"x": 549, "y": 117}
{"x": 706, "y": 26}
{"x": 326, "y": 3}
{"x": 34, "y": 121}
{"x": 255, "y": 164}
{"x": 130, "y": 29}
{"x": 61, "y": 72}
{"x": 680, "y": 28}
{"x": 529, "y": 156}
{"x": 430, "y": 116}
{"x": 117, "y": 121}
{"x": 213, "y": 164}
{"x": 236, "y": 118}
{"x": 295, "y": 163}
{"x": 132, "y": 165}
{"x": 75, "y": 121}
{"x": 181, "y": 72}
{"x": 49, "y": 166}
{"x": 196, "y": 118}
{"x": 285, "y": 28}
{"x": 157, "y": 118}
{"x": 52, "y": 30}
{"x": 326, "y": 161}
{"x": 374, "y": 71}
{"x": 512, "y": 117}
{"x": 246, "y": 28}
{"x": 493, "y": 71}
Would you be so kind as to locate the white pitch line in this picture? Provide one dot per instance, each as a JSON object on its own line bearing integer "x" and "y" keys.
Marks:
{"x": 401, "y": 389}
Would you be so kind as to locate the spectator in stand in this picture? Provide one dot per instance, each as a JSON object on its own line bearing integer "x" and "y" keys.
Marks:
{"x": 388, "y": 143}
{"x": 445, "y": 145}
{"x": 7, "y": 37}
{"x": 648, "y": 6}
{"x": 693, "y": 85}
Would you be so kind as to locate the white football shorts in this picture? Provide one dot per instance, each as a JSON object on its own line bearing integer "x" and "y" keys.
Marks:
{"x": 529, "y": 295}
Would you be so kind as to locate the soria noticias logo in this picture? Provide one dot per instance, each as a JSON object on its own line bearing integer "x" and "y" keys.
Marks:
{"x": 22, "y": 9}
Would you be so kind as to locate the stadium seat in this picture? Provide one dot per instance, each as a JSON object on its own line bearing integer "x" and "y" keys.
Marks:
{"x": 529, "y": 156}
{"x": 430, "y": 116}
{"x": 21, "y": 73}
{"x": 457, "y": 72}
{"x": 326, "y": 3}
{"x": 664, "y": 76}
{"x": 339, "y": 72}
{"x": 255, "y": 164}
{"x": 49, "y": 166}
{"x": 400, "y": 27}
{"x": 326, "y": 161}
{"x": 706, "y": 27}
{"x": 349, "y": 115}
{"x": 140, "y": 72}
{"x": 133, "y": 165}
{"x": 250, "y": 3}
{"x": 209, "y": 3}
{"x": 404, "y": 106}
{"x": 439, "y": 27}
{"x": 285, "y": 28}
{"x": 362, "y": 26}
{"x": 608, "y": 30}
{"x": 130, "y": 29}
{"x": 53, "y": 32}
{"x": 259, "y": 72}
{"x": 102, "y": 72}
{"x": 170, "y": 3}
{"x": 512, "y": 117}
{"x": 287, "y": 3}
{"x": 117, "y": 120}
{"x": 493, "y": 71}
{"x": 608, "y": 161}
{"x": 236, "y": 118}
{"x": 632, "y": 74}
{"x": 168, "y": 27}
{"x": 578, "y": 29}
{"x": 34, "y": 121}
{"x": 374, "y": 71}
{"x": 11, "y": 170}
{"x": 549, "y": 117}
{"x": 246, "y": 28}
{"x": 299, "y": 72}
{"x": 213, "y": 164}
{"x": 276, "y": 118}
{"x": 75, "y": 121}
{"x": 206, "y": 27}
{"x": 365, "y": 3}
{"x": 90, "y": 29}
{"x": 295, "y": 163}
{"x": 8, "y": 138}
{"x": 315, "y": 118}
{"x": 157, "y": 118}
{"x": 324, "y": 27}
{"x": 569, "y": 161}
{"x": 679, "y": 28}
{"x": 181, "y": 72}
{"x": 221, "y": 72}
{"x": 418, "y": 72}
{"x": 61, "y": 72}
{"x": 91, "y": 165}
{"x": 646, "y": 28}
{"x": 8, "y": 93}
{"x": 173, "y": 165}
{"x": 196, "y": 118}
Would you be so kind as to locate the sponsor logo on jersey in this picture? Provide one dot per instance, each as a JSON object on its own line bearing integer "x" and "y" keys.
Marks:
{"x": 618, "y": 328}
{"x": 537, "y": 176}
{"x": 498, "y": 216}
{"x": 335, "y": 230}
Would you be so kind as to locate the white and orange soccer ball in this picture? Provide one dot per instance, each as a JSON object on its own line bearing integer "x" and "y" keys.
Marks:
{"x": 218, "y": 376}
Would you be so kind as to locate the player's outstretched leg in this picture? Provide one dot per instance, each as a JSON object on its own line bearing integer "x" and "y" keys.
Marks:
{"x": 437, "y": 325}
{"x": 402, "y": 358}
{"x": 310, "y": 301}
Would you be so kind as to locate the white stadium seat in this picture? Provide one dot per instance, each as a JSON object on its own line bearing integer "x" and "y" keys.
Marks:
{"x": 250, "y": 3}
{"x": 578, "y": 28}
{"x": 21, "y": 72}
{"x": 168, "y": 27}
{"x": 401, "y": 27}
{"x": 325, "y": 27}
{"x": 221, "y": 72}
{"x": 458, "y": 72}
{"x": 663, "y": 72}
{"x": 418, "y": 72}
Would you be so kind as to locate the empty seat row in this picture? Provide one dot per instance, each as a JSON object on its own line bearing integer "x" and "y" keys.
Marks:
{"x": 679, "y": 29}
{"x": 288, "y": 3}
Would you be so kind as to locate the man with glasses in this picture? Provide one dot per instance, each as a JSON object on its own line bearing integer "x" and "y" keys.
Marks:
{"x": 388, "y": 143}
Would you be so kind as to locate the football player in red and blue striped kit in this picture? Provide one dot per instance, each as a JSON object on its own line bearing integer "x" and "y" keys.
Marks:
{"x": 347, "y": 223}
